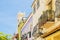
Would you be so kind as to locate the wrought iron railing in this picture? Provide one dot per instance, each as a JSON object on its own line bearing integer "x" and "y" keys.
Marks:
{"x": 36, "y": 31}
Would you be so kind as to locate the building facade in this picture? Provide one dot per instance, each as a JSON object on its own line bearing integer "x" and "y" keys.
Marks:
{"x": 45, "y": 20}
{"x": 26, "y": 29}
{"x": 43, "y": 23}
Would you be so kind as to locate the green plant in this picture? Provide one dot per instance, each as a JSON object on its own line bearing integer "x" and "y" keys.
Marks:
{"x": 4, "y": 36}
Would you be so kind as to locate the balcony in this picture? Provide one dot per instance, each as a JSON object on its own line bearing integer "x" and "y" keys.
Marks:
{"x": 44, "y": 28}
{"x": 43, "y": 19}
{"x": 48, "y": 24}
{"x": 36, "y": 32}
{"x": 50, "y": 29}
{"x": 46, "y": 21}
{"x": 48, "y": 15}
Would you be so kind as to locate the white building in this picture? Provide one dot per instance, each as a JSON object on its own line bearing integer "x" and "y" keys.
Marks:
{"x": 26, "y": 29}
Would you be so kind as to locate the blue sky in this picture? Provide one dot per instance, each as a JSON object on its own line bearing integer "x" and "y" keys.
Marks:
{"x": 8, "y": 13}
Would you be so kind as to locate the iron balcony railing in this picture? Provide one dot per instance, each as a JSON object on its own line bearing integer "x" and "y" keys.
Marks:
{"x": 47, "y": 15}
{"x": 36, "y": 31}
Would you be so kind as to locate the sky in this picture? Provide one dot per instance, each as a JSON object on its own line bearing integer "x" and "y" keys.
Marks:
{"x": 8, "y": 13}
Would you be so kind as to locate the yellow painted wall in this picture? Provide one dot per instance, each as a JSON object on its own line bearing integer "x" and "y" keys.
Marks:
{"x": 50, "y": 5}
{"x": 55, "y": 36}
{"x": 19, "y": 29}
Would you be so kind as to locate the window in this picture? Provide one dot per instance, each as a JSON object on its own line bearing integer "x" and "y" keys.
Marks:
{"x": 34, "y": 9}
{"x": 57, "y": 4}
{"x": 29, "y": 34}
{"x": 35, "y": 29}
{"x": 38, "y": 4}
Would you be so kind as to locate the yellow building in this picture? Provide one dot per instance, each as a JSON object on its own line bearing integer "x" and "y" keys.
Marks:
{"x": 45, "y": 22}
{"x": 52, "y": 28}
{"x": 20, "y": 23}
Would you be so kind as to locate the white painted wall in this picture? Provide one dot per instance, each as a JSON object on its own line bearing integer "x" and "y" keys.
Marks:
{"x": 39, "y": 12}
